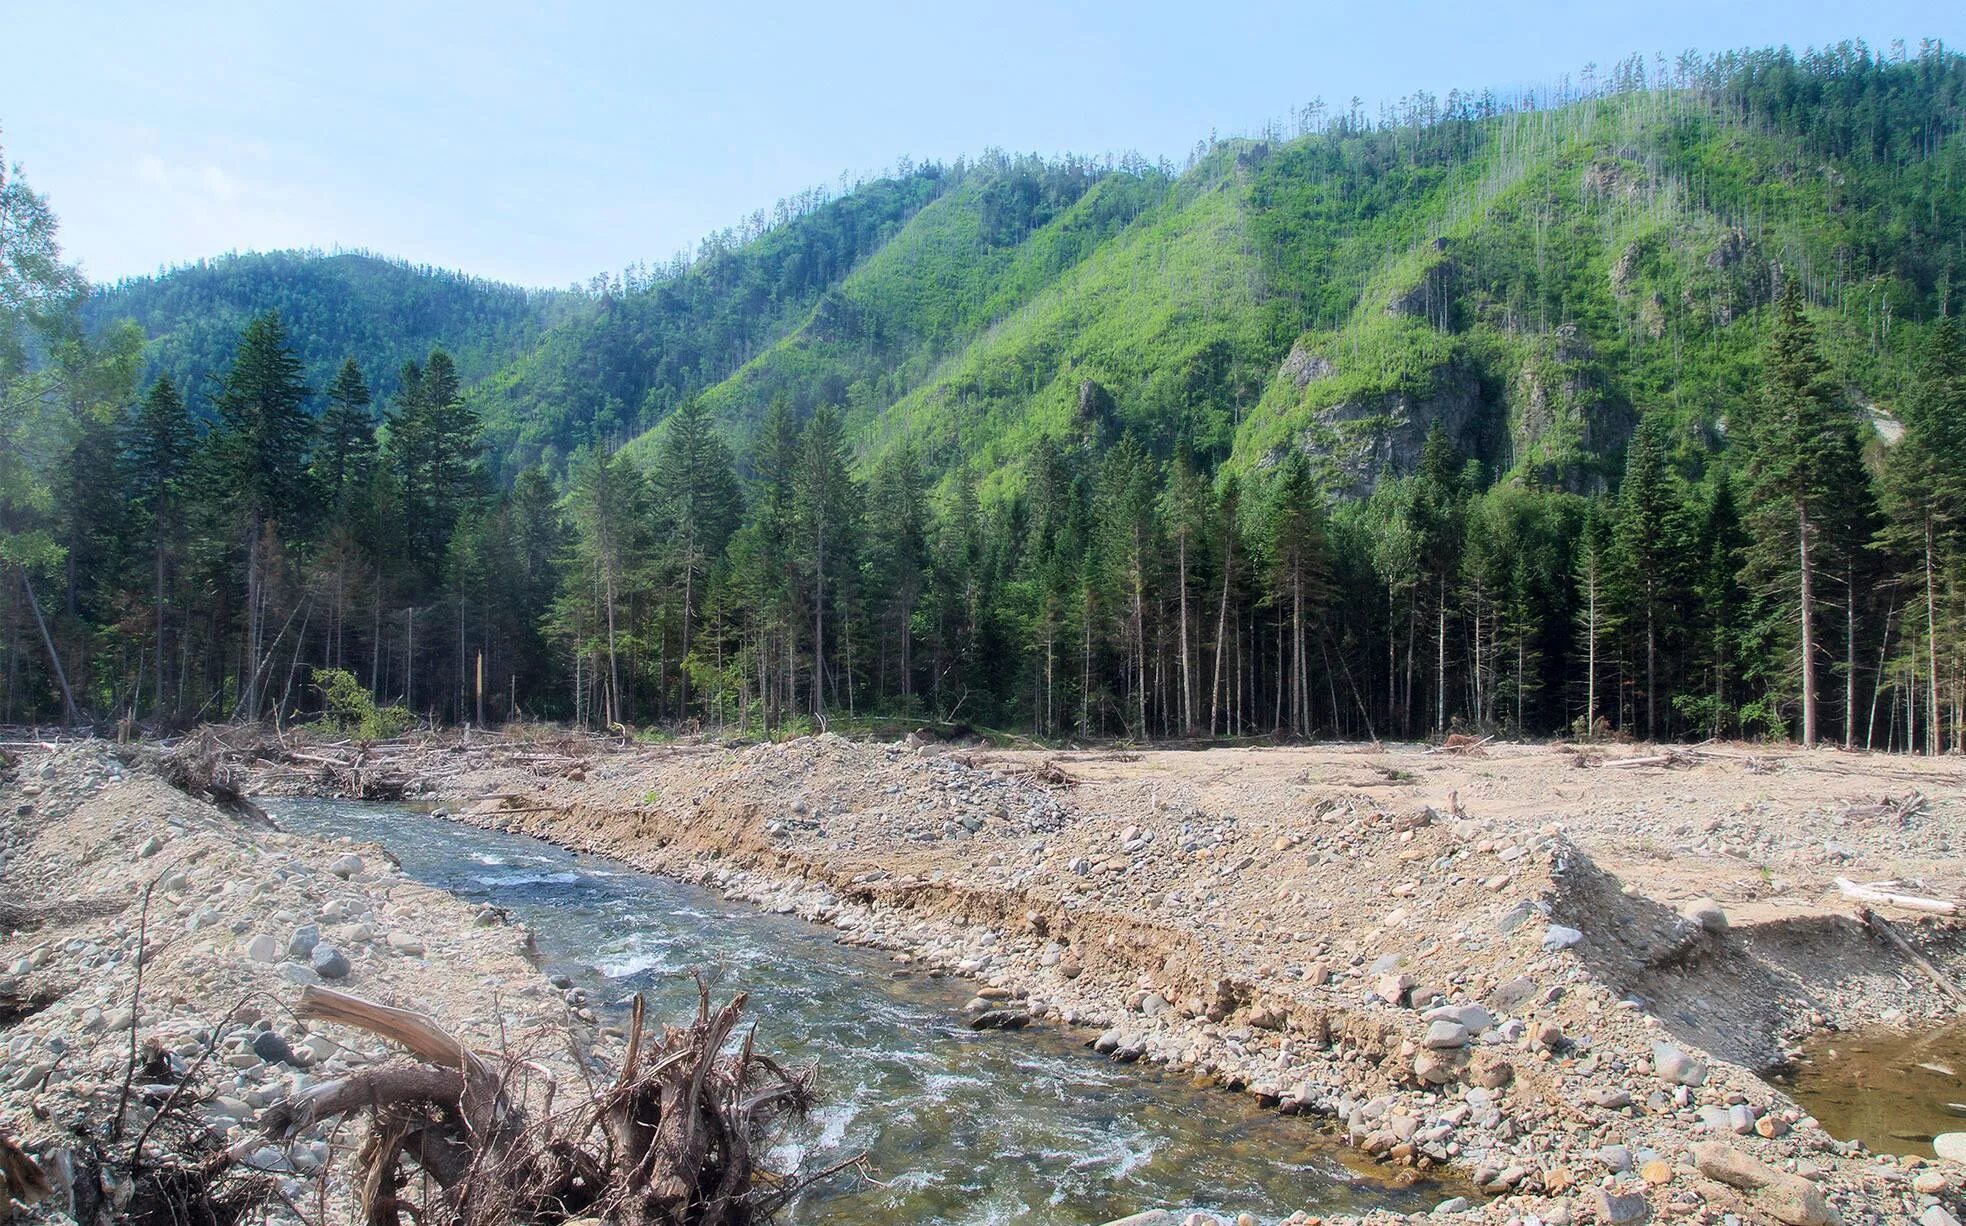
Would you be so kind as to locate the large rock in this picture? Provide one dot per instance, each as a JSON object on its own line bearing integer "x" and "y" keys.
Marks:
{"x": 1620, "y": 1208}
{"x": 1445, "y": 1034}
{"x": 1676, "y": 1067}
{"x": 1705, "y": 913}
{"x": 1951, "y": 1146}
{"x": 1557, "y": 936}
{"x": 329, "y": 962}
{"x": 303, "y": 941}
{"x": 346, "y": 866}
{"x": 262, "y": 948}
{"x": 1791, "y": 1198}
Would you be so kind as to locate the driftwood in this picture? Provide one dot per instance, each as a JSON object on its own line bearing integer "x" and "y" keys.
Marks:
{"x": 677, "y": 1139}
{"x": 1883, "y": 928}
{"x": 1877, "y": 892}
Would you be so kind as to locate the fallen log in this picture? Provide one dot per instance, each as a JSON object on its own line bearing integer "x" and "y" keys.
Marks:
{"x": 1883, "y": 928}
{"x": 1874, "y": 892}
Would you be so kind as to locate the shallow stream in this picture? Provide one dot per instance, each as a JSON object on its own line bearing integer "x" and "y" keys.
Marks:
{"x": 959, "y": 1127}
{"x": 1892, "y": 1090}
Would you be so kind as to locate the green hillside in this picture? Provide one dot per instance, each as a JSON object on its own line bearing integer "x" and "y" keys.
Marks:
{"x": 1532, "y": 277}
{"x": 379, "y": 311}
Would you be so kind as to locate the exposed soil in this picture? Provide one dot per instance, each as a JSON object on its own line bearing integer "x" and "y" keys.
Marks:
{"x": 1551, "y": 974}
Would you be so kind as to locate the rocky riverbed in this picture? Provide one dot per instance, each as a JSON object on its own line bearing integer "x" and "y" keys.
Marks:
{"x": 1551, "y": 974}
{"x": 1547, "y": 974}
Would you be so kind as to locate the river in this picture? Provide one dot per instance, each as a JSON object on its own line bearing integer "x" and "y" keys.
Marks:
{"x": 959, "y": 1127}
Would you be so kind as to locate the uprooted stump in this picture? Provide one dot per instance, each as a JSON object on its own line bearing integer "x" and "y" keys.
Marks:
{"x": 464, "y": 1137}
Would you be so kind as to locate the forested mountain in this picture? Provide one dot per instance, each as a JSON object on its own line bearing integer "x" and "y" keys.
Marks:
{"x": 1633, "y": 408}
{"x": 381, "y": 312}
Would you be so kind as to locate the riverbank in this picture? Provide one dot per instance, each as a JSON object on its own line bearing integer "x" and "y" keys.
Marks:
{"x": 1547, "y": 972}
{"x": 235, "y": 919}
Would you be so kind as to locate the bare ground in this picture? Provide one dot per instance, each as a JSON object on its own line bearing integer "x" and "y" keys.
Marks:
{"x": 1487, "y": 960}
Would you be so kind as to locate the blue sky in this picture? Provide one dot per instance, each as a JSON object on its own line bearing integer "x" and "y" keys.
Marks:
{"x": 544, "y": 143}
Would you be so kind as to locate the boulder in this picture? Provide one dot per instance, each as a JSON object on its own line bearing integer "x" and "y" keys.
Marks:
{"x": 346, "y": 866}
{"x": 270, "y": 1047}
{"x": 1951, "y": 1146}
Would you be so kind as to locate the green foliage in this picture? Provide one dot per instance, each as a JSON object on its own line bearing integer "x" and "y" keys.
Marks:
{"x": 348, "y": 707}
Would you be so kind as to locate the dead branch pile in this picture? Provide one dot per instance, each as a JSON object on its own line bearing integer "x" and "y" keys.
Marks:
{"x": 462, "y": 1137}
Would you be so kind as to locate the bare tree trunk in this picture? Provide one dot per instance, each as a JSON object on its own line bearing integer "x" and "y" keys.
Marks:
{"x": 1221, "y": 631}
{"x": 1808, "y": 618}
{"x": 54, "y": 657}
{"x": 1187, "y": 668}
{"x": 819, "y": 627}
{"x": 1931, "y": 640}
{"x": 1849, "y": 655}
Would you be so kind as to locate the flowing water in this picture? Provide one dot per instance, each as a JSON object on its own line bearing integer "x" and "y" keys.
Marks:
{"x": 1892, "y": 1090}
{"x": 959, "y": 1127}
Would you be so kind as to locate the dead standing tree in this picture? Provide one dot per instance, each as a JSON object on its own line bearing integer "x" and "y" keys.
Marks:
{"x": 675, "y": 1140}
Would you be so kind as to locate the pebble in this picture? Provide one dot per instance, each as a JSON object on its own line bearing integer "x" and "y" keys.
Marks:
{"x": 262, "y": 948}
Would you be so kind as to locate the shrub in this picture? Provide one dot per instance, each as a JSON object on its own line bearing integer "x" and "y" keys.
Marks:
{"x": 351, "y": 708}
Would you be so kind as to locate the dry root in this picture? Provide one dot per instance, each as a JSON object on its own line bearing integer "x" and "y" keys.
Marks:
{"x": 458, "y": 1137}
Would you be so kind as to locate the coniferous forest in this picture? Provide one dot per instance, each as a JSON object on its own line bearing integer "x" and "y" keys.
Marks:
{"x": 1637, "y": 407}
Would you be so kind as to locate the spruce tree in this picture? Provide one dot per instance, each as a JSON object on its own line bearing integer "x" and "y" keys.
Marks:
{"x": 260, "y": 463}
{"x": 347, "y": 446}
{"x": 1810, "y": 488}
{"x": 697, "y": 507}
{"x": 1299, "y": 570}
{"x": 826, "y": 504}
{"x": 158, "y": 447}
{"x": 1650, "y": 550}
{"x": 1925, "y": 491}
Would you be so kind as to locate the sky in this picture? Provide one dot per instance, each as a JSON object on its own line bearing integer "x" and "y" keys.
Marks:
{"x": 542, "y": 144}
